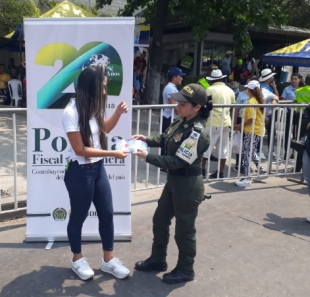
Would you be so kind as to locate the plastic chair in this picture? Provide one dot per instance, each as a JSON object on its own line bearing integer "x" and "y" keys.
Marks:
{"x": 16, "y": 92}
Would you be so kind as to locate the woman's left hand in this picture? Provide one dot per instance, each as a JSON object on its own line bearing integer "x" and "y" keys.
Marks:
{"x": 141, "y": 154}
{"x": 121, "y": 108}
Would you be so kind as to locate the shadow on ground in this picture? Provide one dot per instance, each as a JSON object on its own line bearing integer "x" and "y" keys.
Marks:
{"x": 290, "y": 226}
{"x": 51, "y": 281}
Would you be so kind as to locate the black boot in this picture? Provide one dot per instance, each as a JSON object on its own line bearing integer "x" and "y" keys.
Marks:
{"x": 149, "y": 264}
{"x": 178, "y": 275}
{"x": 204, "y": 173}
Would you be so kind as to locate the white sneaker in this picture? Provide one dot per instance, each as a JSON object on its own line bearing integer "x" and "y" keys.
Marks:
{"x": 115, "y": 267}
{"x": 82, "y": 269}
{"x": 245, "y": 182}
{"x": 308, "y": 220}
{"x": 262, "y": 156}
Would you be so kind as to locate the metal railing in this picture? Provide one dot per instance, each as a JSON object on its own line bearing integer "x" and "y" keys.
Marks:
{"x": 275, "y": 166}
{"x": 15, "y": 205}
{"x": 147, "y": 120}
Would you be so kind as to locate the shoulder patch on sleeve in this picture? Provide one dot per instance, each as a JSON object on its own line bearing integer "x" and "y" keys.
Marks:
{"x": 198, "y": 126}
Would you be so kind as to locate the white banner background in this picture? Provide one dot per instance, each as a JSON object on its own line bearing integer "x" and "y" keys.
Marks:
{"x": 46, "y": 158}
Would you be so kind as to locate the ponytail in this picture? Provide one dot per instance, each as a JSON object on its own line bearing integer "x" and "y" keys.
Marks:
{"x": 205, "y": 110}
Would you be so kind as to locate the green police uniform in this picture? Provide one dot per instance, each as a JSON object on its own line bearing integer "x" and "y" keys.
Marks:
{"x": 185, "y": 143}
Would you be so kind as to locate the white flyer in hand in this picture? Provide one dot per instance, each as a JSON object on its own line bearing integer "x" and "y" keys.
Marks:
{"x": 131, "y": 145}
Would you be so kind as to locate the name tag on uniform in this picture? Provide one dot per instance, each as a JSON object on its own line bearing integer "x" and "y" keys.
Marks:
{"x": 188, "y": 149}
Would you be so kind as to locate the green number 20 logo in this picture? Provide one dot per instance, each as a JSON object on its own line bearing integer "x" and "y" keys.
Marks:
{"x": 51, "y": 95}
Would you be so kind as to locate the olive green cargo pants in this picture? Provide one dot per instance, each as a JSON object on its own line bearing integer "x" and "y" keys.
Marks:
{"x": 180, "y": 199}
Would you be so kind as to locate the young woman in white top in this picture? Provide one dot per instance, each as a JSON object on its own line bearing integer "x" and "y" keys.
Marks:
{"x": 86, "y": 179}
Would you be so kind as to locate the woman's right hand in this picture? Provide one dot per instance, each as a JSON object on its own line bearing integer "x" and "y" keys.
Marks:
{"x": 139, "y": 137}
{"x": 119, "y": 154}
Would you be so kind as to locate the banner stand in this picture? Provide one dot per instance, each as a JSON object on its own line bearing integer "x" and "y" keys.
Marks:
{"x": 57, "y": 50}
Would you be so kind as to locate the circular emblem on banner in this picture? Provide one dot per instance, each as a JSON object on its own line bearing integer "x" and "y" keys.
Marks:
{"x": 59, "y": 214}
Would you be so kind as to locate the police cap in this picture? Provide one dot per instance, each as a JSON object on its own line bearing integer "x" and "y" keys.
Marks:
{"x": 193, "y": 93}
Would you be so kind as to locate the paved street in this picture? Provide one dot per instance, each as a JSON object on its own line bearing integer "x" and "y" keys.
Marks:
{"x": 252, "y": 242}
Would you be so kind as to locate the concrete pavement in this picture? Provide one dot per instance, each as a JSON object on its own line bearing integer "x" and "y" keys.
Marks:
{"x": 250, "y": 243}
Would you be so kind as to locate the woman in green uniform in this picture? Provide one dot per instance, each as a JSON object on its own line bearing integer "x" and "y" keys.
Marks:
{"x": 185, "y": 142}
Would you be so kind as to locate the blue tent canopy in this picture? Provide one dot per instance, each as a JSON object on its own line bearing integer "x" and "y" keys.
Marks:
{"x": 16, "y": 42}
{"x": 297, "y": 55}
{"x": 10, "y": 45}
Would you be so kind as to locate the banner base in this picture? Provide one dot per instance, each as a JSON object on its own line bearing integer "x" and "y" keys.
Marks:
{"x": 85, "y": 237}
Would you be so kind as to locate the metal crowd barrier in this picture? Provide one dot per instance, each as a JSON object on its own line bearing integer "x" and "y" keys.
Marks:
{"x": 147, "y": 120}
{"x": 15, "y": 204}
{"x": 276, "y": 167}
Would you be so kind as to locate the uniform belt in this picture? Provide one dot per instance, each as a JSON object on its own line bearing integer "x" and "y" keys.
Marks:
{"x": 186, "y": 172}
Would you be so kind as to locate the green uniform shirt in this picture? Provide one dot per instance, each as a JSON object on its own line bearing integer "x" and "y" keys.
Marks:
{"x": 176, "y": 138}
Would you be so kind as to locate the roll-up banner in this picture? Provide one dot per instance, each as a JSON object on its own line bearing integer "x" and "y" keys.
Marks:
{"x": 57, "y": 50}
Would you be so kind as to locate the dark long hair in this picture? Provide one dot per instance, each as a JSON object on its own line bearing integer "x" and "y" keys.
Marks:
{"x": 301, "y": 81}
{"x": 91, "y": 102}
{"x": 257, "y": 93}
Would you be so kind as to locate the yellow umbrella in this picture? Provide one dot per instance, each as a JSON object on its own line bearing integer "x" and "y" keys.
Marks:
{"x": 64, "y": 9}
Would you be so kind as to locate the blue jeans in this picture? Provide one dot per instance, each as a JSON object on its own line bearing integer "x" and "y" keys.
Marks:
{"x": 89, "y": 183}
{"x": 306, "y": 169}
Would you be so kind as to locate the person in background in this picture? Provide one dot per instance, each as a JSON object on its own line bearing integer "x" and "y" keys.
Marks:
{"x": 203, "y": 81}
{"x": 205, "y": 84}
{"x": 186, "y": 141}
{"x": 4, "y": 79}
{"x": 226, "y": 64}
{"x": 24, "y": 83}
{"x": 249, "y": 63}
{"x": 240, "y": 73}
{"x": 234, "y": 85}
{"x": 142, "y": 62}
{"x": 250, "y": 140}
{"x": 302, "y": 96}
{"x": 268, "y": 83}
{"x": 242, "y": 98}
{"x": 174, "y": 79}
{"x": 306, "y": 155}
{"x": 289, "y": 93}
{"x": 136, "y": 82}
{"x": 12, "y": 69}
{"x": 221, "y": 94}
{"x": 86, "y": 179}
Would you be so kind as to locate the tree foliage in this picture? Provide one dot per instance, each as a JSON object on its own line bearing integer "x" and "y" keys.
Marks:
{"x": 202, "y": 15}
{"x": 12, "y": 13}
{"x": 298, "y": 11}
